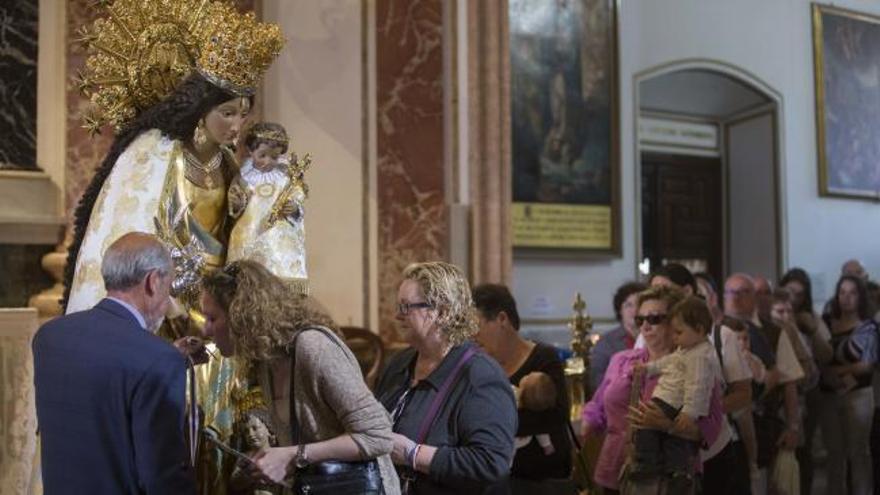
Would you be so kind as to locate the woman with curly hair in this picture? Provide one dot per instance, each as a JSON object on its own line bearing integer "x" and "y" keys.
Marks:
{"x": 309, "y": 378}
{"x": 453, "y": 410}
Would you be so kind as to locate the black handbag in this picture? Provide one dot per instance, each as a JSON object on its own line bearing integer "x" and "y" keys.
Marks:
{"x": 339, "y": 477}
{"x": 330, "y": 477}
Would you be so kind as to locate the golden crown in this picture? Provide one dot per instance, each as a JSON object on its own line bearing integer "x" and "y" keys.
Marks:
{"x": 276, "y": 136}
{"x": 142, "y": 50}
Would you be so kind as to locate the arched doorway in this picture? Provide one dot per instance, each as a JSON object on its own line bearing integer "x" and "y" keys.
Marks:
{"x": 708, "y": 169}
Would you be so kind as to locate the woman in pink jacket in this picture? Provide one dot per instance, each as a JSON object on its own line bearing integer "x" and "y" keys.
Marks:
{"x": 608, "y": 412}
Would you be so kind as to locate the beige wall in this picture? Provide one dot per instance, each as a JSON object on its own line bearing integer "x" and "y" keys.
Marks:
{"x": 315, "y": 90}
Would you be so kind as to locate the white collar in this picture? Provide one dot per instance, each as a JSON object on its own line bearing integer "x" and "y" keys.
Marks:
{"x": 131, "y": 309}
{"x": 255, "y": 177}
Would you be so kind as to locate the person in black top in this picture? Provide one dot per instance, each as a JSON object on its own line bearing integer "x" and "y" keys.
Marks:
{"x": 462, "y": 443}
{"x": 848, "y": 397}
{"x": 543, "y": 456}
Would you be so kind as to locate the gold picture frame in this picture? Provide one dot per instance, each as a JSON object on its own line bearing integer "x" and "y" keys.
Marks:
{"x": 846, "y": 60}
{"x": 565, "y": 129}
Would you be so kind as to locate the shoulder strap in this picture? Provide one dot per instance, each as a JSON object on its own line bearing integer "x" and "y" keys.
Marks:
{"x": 291, "y": 348}
{"x": 716, "y": 334}
{"x": 440, "y": 398}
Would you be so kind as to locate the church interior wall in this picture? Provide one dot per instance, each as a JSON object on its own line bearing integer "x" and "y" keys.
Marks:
{"x": 318, "y": 89}
{"x": 315, "y": 90}
{"x": 772, "y": 41}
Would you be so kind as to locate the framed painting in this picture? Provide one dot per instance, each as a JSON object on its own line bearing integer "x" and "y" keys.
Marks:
{"x": 846, "y": 52}
{"x": 564, "y": 124}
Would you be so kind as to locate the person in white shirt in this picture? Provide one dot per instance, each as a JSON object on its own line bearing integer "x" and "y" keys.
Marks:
{"x": 726, "y": 461}
{"x": 687, "y": 377}
{"x": 779, "y": 391}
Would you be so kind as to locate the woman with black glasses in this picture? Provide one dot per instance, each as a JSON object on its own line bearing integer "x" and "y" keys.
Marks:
{"x": 452, "y": 408}
{"x": 609, "y": 411}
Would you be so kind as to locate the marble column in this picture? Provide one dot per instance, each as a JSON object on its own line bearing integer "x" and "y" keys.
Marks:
{"x": 489, "y": 148}
{"x": 413, "y": 218}
{"x": 18, "y": 84}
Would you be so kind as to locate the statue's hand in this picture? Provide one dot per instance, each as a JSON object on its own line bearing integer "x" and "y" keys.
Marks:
{"x": 291, "y": 210}
{"x": 238, "y": 200}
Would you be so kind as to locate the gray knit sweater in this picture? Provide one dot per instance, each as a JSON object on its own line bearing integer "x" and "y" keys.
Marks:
{"x": 332, "y": 399}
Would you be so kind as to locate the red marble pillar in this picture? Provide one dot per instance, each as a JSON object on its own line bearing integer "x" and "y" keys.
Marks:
{"x": 84, "y": 153}
{"x": 413, "y": 220}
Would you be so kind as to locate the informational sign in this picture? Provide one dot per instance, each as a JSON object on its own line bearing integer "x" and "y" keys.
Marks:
{"x": 562, "y": 225}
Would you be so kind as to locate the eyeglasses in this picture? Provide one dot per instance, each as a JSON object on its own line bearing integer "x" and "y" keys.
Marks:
{"x": 404, "y": 308}
{"x": 651, "y": 319}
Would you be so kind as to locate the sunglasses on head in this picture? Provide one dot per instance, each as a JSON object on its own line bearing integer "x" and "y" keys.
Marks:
{"x": 651, "y": 319}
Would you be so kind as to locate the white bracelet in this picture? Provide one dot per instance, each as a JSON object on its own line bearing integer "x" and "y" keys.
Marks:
{"x": 415, "y": 456}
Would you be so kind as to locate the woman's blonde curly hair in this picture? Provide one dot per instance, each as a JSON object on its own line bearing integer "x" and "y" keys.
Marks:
{"x": 263, "y": 313}
{"x": 447, "y": 291}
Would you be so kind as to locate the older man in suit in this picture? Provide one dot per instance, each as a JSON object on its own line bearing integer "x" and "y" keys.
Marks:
{"x": 110, "y": 394}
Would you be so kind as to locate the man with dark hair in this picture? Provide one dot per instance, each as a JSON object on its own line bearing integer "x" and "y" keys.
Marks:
{"x": 620, "y": 338}
{"x": 110, "y": 394}
{"x": 676, "y": 275}
{"x": 535, "y": 467}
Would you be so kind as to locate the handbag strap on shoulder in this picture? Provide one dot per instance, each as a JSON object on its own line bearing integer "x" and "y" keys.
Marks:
{"x": 291, "y": 348}
{"x": 440, "y": 398}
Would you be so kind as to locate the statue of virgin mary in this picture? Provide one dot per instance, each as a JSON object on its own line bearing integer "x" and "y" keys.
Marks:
{"x": 176, "y": 79}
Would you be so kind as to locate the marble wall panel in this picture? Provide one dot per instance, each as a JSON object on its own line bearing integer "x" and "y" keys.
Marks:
{"x": 413, "y": 220}
{"x": 18, "y": 83}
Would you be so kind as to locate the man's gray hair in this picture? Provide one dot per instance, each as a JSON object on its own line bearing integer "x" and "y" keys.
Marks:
{"x": 131, "y": 258}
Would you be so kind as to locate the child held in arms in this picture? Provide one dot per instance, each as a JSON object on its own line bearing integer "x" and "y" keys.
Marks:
{"x": 536, "y": 392}
{"x": 687, "y": 377}
{"x": 266, "y": 202}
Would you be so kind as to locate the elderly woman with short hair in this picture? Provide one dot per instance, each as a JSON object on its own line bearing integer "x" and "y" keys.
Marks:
{"x": 461, "y": 442}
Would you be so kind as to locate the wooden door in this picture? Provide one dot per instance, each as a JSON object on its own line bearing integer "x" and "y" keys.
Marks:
{"x": 681, "y": 211}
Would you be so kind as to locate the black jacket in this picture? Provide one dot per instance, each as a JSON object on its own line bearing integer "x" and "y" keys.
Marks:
{"x": 474, "y": 428}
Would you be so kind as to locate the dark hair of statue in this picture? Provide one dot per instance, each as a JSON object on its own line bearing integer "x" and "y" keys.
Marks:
{"x": 252, "y": 141}
{"x": 176, "y": 117}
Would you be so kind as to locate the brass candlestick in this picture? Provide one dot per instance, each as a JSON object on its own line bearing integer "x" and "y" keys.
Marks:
{"x": 577, "y": 367}
{"x": 577, "y": 377}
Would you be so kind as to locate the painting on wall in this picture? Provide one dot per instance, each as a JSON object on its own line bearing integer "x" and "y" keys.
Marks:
{"x": 564, "y": 126}
{"x": 846, "y": 51}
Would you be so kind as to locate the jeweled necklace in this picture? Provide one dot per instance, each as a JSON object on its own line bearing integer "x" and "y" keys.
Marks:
{"x": 213, "y": 163}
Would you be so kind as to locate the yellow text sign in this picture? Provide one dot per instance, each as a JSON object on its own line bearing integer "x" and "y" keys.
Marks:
{"x": 549, "y": 225}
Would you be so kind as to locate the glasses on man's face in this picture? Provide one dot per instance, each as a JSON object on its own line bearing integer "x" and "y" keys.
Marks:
{"x": 651, "y": 319}
{"x": 403, "y": 309}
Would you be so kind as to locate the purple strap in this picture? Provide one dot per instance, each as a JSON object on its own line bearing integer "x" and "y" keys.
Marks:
{"x": 442, "y": 393}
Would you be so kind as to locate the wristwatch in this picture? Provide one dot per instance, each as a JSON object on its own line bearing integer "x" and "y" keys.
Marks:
{"x": 302, "y": 457}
